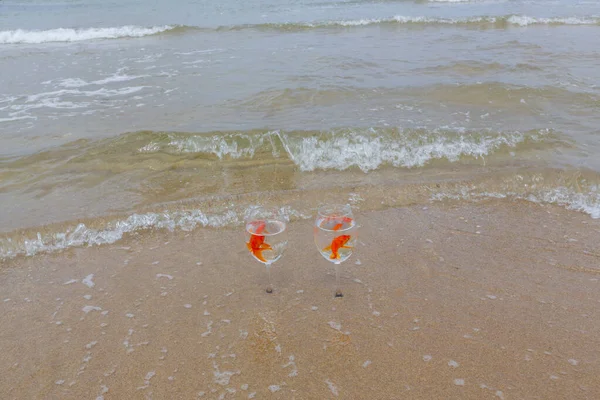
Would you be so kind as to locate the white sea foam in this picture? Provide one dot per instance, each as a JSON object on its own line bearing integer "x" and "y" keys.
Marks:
{"x": 72, "y": 83}
{"x": 77, "y": 82}
{"x": 117, "y": 78}
{"x": 587, "y": 201}
{"x": 291, "y": 363}
{"x": 81, "y": 235}
{"x": 451, "y": 21}
{"x": 369, "y": 150}
{"x": 523, "y": 20}
{"x": 102, "y": 92}
{"x": 400, "y": 19}
{"x": 87, "y": 281}
{"x": 223, "y": 378}
{"x": 8, "y": 99}
{"x": 206, "y": 51}
{"x": 54, "y": 103}
{"x": 518, "y": 20}
{"x": 335, "y": 325}
{"x": 233, "y": 145}
{"x": 332, "y": 387}
{"x": 17, "y": 118}
{"x": 66, "y": 99}
{"x": 75, "y": 35}
{"x": 87, "y": 309}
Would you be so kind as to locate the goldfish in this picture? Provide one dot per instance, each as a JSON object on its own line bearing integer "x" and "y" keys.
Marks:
{"x": 339, "y": 225}
{"x": 257, "y": 244}
{"x": 336, "y": 244}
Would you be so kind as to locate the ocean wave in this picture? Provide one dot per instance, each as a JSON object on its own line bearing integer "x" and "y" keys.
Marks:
{"x": 519, "y": 20}
{"x": 409, "y": 149}
{"x": 523, "y": 20}
{"x": 21, "y": 36}
{"x": 367, "y": 149}
{"x": 231, "y": 145}
{"x": 362, "y": 149}
{"x": 588, "y": 203}
{"x": 500, "y": 21}
{"x": 113, "y": 231}
{"x": 75, "y": 35}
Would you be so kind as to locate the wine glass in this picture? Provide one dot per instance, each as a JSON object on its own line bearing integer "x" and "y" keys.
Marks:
{"x": 267, "y": 237}
{"x": 336, "y": 234}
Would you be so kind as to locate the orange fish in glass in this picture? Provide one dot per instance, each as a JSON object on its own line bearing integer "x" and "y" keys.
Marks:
{"x": 264, "y": 224}
{"x": 336, "y": 233}
{"x": 257, "y": 244}
{"x": 337, "y": 244}
{"x": 340, "y": 225}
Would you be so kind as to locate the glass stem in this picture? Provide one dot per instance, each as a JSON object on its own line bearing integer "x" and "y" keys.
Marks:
{"x": 338, "y": 289}
{"x": 269, "y": 284}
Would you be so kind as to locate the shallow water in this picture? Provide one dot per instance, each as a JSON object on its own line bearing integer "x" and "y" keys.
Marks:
{"x": 109, "y": 111}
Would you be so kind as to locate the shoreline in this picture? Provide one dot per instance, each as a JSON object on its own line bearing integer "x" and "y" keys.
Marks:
{"x": 491, "y": 300}
{"x": 301, "y": 195}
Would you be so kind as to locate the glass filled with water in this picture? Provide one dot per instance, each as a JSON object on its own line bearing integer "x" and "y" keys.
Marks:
{"x": 335, "y": 233}
{"x": 266, "y": 237}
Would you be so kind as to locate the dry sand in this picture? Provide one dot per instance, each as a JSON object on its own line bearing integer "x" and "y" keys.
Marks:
{"x": 497, "y": 300}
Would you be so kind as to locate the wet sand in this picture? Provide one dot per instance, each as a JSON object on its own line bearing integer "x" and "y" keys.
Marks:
{"x": 495, "y": 300}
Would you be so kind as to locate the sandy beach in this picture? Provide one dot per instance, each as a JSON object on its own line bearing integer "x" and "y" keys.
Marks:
{"x": 492, "y": 300}
{"x": 136, "y": 139}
